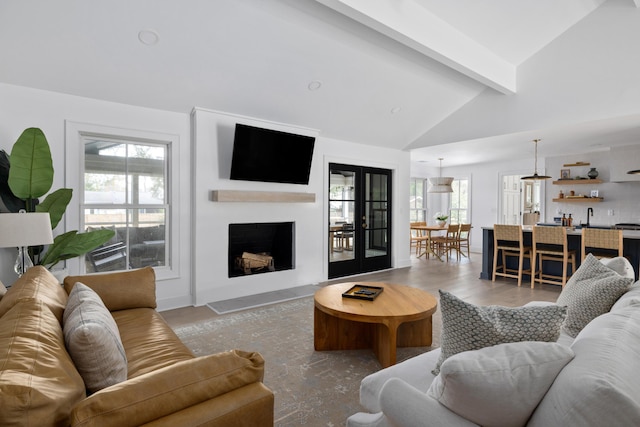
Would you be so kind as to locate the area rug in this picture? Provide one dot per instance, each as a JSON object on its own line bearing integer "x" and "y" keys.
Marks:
{"x": 311, "y": 388}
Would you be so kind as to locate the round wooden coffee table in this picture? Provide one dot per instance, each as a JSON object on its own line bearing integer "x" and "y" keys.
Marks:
{"x": 399, "y": 317}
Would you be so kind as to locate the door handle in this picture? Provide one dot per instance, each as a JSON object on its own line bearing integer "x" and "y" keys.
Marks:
{"x": 364, "y": 225}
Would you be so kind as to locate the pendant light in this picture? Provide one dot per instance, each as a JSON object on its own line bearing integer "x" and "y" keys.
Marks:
{"x": 440, "y": 184}
{"x": 535, "y": 175}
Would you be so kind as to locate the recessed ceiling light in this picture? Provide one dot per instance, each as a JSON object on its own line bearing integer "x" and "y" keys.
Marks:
{"x": 148, "y": 37}
{"x": 314, "y": 85}
{"x": 396, "y": 110}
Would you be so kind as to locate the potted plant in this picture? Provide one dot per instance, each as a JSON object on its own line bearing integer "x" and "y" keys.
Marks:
{"x": 441, "y": 219}
{"x": 30, "y": 176}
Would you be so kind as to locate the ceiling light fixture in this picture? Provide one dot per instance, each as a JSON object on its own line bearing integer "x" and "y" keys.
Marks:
{"x": 148, "y": 37}
{"x": 314, "y": 85}
{"x": 440, "y": 184}
{"x": 535, "y": 175}
{"x": 396, "y": 110}
{"x": 634, "y": 172}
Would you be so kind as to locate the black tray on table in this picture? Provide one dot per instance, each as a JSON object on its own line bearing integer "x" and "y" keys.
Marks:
{"x": 363, "y": 292}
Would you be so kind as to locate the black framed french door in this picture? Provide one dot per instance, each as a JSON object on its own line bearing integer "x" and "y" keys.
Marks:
{"x": 359, "y": 219}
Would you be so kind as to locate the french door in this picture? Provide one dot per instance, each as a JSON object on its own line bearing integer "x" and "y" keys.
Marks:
{"x": 359, "y": 219}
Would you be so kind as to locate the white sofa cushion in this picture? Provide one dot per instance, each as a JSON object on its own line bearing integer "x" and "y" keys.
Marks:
{"x": 477, "y": 384}
{"x": 469, "y": 327}
{"x": 601, "y": 385}
{"x": 93, "y": 340}
{"x": 591, "y": 291}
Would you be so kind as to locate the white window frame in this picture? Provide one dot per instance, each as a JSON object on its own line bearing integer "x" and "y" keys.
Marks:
{"x": 424, "y": 209}
{"x": 75, "y": 134}
{"x": 468, "y": 209}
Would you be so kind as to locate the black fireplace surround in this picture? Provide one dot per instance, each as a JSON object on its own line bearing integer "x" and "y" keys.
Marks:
{"x": 276, "y": 239}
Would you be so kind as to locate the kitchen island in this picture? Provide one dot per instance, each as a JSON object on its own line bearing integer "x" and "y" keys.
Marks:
{"x": 631, "y": 251}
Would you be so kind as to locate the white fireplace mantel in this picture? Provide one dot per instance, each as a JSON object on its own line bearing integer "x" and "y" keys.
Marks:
{"x": 261, "y": 196}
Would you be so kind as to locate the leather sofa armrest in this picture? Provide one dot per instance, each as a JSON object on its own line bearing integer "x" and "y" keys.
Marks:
{"x": 168, "y": 390}
{"x": 406, "y": 406}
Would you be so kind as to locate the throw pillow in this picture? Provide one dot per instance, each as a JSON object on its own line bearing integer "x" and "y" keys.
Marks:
{"x": 469, "y": 327}
{"x": 93, "y": 340}
{"x": 477, "y": 384}
{"x": 591, "y": 291}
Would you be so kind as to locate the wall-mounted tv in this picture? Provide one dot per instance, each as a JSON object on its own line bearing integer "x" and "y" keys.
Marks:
{"x": 271, "y": 156}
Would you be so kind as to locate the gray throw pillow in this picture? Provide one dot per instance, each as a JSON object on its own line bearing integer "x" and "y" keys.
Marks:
{"x": 591, "y": 291}
{"x": 469, "y": 327}
{"x": 93, "y": 340}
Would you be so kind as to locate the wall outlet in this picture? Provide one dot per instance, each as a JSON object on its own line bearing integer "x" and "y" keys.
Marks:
{"x": 610, "y": 212}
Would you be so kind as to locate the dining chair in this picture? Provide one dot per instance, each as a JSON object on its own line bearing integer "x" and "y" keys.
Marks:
{"x": 448, "y": 242}
{"x": 417, "y": 237}
{"x": 508, "y": 239}
{"x": 463, "y": 241}
{"x": 550, "y": 244}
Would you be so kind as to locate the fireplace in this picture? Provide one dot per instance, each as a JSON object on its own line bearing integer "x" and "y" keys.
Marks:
{"x": 264, "y": 239}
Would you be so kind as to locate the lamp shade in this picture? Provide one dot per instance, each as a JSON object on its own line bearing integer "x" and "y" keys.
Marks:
{"x": 25, "y": 229}
{"x": 440, "y": 184}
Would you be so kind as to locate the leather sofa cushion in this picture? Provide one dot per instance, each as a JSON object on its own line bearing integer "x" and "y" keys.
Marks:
{"x": 121, "y": 290}
{"x": 173, "y": 388}
{"x": 38, "y": 283}
{"x": 38, "y": 381}
{"x": 148, "y": 341}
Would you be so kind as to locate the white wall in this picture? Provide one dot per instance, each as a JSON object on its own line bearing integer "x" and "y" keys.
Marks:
{"x": 212, "y": 149}
{"x": 21, "y": 108}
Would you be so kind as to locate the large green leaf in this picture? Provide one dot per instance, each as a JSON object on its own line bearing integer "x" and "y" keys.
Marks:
{"x": 56, "y": 204}
{"x": 72, "y": 244}
{"x": 31, "y": 172}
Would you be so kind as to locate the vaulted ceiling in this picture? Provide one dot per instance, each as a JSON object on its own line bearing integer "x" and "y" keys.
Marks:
{"x": 471, "y": 81}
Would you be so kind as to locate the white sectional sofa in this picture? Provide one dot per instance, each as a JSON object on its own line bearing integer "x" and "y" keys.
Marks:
{"x": 590, "y": 380}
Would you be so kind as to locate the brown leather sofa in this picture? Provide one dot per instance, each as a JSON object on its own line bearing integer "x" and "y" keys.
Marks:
{"x": 166, "y": 384}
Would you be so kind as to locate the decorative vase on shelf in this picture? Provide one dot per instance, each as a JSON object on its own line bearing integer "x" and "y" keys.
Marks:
{"x": 593, "y": 173}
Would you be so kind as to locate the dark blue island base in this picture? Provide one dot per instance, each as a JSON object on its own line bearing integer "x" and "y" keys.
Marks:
{"x": 631, "y": 250}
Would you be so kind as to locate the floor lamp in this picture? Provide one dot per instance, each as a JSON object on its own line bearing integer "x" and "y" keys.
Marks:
{"x": 22, "y": 230}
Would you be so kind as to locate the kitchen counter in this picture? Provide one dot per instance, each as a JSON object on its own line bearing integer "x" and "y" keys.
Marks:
{"x": 631, "y": 249}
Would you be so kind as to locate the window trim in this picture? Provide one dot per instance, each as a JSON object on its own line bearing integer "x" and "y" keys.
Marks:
{"x": 75, "y": 133}
{"x": 424, "y": 209}
{"x": 469, "y": 191}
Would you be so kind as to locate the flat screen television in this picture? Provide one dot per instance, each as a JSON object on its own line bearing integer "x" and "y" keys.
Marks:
{"x": 271, "y": 156}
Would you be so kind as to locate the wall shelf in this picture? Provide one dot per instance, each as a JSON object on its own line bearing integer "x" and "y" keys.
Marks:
{"x": 261, "y": 196}
{"x": 579, "y": 199}
{"x": 569, "y": 165}
{"x": 577, "y": 181}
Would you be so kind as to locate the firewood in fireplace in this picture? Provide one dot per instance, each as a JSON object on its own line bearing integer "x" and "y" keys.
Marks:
{"x": 250, "y": 261}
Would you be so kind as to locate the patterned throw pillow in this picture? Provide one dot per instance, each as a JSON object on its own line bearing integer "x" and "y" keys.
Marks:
{"x": 93, "y": 340}
{"x": 468, "y": 327}
{"x": 591, "y": 291}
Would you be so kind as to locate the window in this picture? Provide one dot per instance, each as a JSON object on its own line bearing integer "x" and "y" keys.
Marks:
{"x": 460, "y": 202}
{"x": 417, "y": 200}
{"x": 125, "y": 189}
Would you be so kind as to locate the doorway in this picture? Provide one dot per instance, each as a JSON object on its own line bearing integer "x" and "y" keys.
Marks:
{"x": 520, "y": 201}
{"x": 359, "y": 219}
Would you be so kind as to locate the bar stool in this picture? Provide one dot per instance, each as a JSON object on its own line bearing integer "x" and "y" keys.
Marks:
{"x": 602, "y": 243}
{"x": 509, "y": 240}
{"x": 550, "y": 244}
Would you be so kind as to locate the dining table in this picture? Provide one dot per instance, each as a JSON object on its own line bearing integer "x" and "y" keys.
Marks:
{"x": 425, "y": 231}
